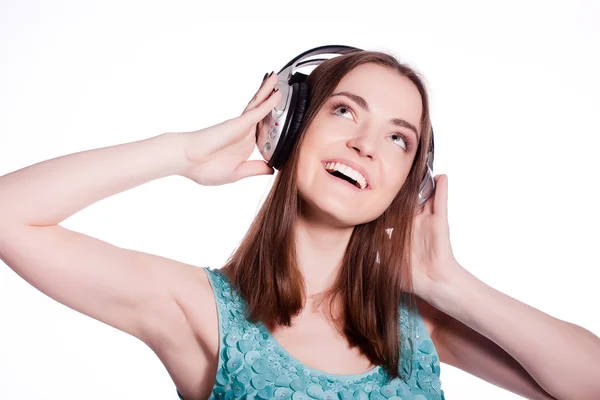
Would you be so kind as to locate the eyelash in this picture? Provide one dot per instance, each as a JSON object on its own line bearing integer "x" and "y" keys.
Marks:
{"x": 340, "y": 104}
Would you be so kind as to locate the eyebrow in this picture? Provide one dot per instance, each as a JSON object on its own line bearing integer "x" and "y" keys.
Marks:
{"x": 365, "y": 106}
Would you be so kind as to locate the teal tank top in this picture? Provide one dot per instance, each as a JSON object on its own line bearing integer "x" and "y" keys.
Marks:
{"x": 252, "y": 364}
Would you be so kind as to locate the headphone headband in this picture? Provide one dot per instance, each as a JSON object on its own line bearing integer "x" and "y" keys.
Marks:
{"x": 298, "y": 61}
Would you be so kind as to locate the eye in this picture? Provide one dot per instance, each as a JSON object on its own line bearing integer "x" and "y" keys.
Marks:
{"x": 407, "y": 143}
{"x": 339, "y": 105}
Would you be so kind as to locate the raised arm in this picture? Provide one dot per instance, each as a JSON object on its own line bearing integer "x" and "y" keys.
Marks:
{"x": 126, "y": 289}
{"x": 132, "y": 291}
{"x": 50, "y": 191}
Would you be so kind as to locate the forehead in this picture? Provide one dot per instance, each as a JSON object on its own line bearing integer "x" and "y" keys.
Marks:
{"x": 388, "y": 93}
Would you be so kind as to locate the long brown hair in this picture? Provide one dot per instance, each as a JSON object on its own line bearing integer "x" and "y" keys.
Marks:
{"x": 375, "y": 276}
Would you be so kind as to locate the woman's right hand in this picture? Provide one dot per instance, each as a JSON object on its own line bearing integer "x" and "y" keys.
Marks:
{"x": 219, "y": 154}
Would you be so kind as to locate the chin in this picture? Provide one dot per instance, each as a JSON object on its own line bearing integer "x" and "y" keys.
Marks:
{"x": 332, "y": 211}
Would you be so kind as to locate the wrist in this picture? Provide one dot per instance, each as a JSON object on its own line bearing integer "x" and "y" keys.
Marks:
{"x": 176, "y": 142}
{"x": 449, "y": 296}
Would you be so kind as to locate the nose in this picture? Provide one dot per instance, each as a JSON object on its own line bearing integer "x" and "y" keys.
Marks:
{"x": 363, "y": 144}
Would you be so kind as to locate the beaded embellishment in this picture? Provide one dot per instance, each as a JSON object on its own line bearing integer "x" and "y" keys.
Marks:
{"x": 253, "y": 365}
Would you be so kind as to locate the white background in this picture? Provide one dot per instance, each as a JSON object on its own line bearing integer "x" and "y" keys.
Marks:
{"x": 514, "y": 95}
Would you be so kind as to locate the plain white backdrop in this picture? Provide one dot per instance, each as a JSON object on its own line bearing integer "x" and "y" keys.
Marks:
{"x": 514, "y": 96}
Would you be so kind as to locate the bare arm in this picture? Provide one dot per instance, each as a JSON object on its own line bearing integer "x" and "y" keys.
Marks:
{"x": 129, "y": 290}
{"x": 50, "y": 191}
{"x": 142, "y": 294}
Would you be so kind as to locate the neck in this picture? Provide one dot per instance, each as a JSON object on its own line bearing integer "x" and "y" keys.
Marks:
{"x": 320, "y": 249}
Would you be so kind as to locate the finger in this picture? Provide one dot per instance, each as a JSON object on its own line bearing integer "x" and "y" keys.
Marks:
{"x": 247, "y": 122}
{"x": 263, "y": 92}
{"x": 252, "y": 168}
{"x": 260, "y": 87}
{"x": 428, "y": 206}
{"x": 256, "y": 114}
{"x": 441, "y": 195}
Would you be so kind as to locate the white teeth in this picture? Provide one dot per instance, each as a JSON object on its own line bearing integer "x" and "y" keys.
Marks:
{"x": 346, "y": 170}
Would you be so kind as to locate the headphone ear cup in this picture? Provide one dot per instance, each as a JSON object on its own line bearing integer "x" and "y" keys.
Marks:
{"x": 298, "y": 105}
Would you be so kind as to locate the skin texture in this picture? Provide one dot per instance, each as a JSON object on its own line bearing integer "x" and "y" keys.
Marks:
{"x": 330, "y": 209}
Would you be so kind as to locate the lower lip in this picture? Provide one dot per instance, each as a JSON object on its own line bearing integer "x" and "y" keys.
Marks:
{"x": 343, "y": 182}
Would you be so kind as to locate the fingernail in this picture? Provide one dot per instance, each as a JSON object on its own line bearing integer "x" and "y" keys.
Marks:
{"x": 265, "y": 77}
{"x": 271, "y": 73}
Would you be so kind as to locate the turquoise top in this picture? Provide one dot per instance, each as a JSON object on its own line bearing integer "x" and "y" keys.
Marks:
{"x": 253, "y": 365}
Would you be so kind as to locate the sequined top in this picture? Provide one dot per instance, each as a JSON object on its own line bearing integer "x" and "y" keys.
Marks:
{"x": 253, "y": 365}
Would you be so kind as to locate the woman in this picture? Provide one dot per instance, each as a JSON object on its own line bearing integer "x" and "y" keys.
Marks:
{"x": 319, "y": 300}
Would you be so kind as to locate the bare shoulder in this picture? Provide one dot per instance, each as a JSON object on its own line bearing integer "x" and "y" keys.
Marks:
{"x": 188, "y": 342}
{"x": 196, "y": 299}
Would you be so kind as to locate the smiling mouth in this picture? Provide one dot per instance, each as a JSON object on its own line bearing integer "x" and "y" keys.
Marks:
{"x": 338, "y": 174}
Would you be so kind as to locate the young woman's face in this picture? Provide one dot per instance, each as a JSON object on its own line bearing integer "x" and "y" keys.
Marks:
{"x": 383, "y": 151}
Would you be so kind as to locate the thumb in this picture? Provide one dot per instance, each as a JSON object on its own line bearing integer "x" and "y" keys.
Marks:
{"x": 252, "y": 168}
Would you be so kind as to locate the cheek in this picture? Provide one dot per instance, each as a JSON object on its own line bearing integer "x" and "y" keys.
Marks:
{"x": 392, "y": 185}
{"x": 399, "y": 179}
{"x": 302, "y": 177}
{"x": 305, "y": 162}
{"x": 306, "y": 172}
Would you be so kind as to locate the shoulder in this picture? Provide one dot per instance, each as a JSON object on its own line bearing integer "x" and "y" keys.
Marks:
{"x": 198, "y": 301}
{"x": 194, "y": 297}
{"x": 190, "y": 351}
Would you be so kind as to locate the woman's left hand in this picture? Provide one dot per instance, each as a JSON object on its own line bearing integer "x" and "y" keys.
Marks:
{"x": 433, "y": 262}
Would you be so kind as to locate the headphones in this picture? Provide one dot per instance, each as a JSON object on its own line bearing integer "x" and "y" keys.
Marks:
{"x": 279, "y": 129}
